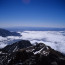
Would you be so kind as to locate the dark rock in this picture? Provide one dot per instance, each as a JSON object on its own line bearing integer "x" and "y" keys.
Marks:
{"x": 5, "y": 33}
{"x": 28, "y": 54}
{"x": 17, "y": 45}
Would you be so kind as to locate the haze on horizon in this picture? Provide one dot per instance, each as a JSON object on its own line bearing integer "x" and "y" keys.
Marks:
{"x": 32, "y": 13}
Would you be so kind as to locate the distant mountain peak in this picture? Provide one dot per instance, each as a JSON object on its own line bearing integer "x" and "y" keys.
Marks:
{"x": 5, "y": 33}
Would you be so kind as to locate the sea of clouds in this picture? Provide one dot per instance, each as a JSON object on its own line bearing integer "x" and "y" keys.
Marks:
{"x": 54, "y": 39}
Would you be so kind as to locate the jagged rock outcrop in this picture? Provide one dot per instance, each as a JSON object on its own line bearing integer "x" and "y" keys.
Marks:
{"x": 5, "y": 33}
{"x": 27, "y": 54}
{"x": 17, "y": 45}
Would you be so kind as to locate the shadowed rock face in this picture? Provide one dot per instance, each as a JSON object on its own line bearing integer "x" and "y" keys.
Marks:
{"x": 16, "y": 46}
{"x": 5, "y": 33}
{"x": 27, "y": 54}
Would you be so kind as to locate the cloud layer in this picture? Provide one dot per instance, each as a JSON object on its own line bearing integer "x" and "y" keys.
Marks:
{"x": 54, "y": 39}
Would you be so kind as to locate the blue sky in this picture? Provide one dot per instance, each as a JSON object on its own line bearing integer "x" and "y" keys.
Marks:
{"x": 32, "y": 13}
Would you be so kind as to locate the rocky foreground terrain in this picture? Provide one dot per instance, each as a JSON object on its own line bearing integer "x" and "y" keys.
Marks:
{"x": 24, "y": 53}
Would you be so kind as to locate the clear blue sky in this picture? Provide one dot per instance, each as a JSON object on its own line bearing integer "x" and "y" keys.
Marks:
{"x": 32, "y": 13}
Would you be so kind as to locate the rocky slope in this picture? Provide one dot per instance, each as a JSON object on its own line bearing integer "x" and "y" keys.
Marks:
{"x": 23, "y": 53}
{"x": 5, "y": 33}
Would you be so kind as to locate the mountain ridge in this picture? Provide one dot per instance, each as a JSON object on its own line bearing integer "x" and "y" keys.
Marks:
{"x": 4, "y": 33}
{"x": 27, "y": 54}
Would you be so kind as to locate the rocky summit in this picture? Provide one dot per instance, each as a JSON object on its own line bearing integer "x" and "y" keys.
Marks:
{"x": 24, "y": 53}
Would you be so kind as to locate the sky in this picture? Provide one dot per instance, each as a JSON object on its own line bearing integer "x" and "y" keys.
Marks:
{"x": 32, "y": 13}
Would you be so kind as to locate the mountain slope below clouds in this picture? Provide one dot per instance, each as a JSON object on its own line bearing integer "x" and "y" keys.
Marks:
{"x": 5, "y": 33}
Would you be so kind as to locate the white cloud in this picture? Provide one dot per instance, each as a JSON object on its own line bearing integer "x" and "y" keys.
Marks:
{"x": 54, "y": 39}
{"x": 2, "y": 44}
